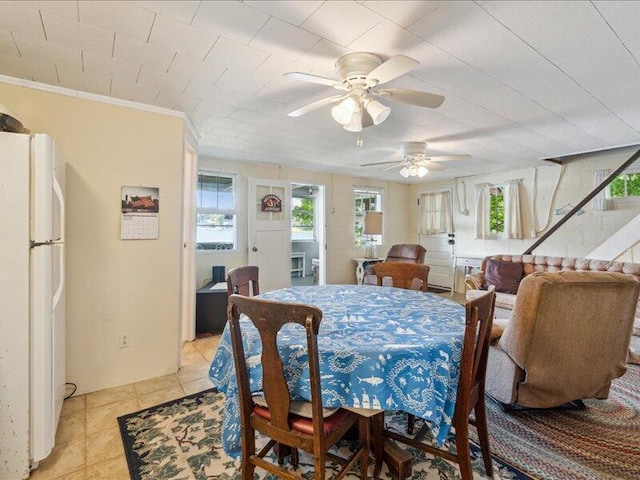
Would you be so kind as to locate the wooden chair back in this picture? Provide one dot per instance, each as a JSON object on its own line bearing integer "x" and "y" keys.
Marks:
{"x": 475, "y": 352}
{"x": 411, "y": 276}
{"x": 243, "y": 281}
{"x": 470, "y": 395}
{"x": 268, "y": 317}
{"x": 279, "y": 424}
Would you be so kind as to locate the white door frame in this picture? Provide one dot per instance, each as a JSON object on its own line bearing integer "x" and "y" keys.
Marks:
{"x": 187, "y": 270}
{"x": 321, "y": 222}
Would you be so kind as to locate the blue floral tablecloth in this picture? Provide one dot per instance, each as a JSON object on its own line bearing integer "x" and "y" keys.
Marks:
{"x": 379, "y": 347}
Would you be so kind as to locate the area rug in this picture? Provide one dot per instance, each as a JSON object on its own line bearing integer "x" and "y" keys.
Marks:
{"x": 601, "y": 442}
{"x": 181, "y": 440}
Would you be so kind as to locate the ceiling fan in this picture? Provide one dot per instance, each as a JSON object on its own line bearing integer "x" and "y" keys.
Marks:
{"x": 359, "y": 75}
{"x": 416, "y": 162}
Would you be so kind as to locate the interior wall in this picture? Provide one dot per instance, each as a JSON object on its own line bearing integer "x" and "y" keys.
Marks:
{"x": 577, "y": 238}
{"x": 398, "y": 226}
{"x": 114, "y": 286}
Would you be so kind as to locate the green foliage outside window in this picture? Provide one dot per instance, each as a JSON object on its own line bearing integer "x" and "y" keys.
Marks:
{"x": 496, "y": 211}
{"x": 302, "y": 219}
{"x": 626, "y": 185}
{"x": 302, "y": 214}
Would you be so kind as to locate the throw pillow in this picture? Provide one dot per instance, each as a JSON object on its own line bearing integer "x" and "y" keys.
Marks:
{"x": 505, "y": 276}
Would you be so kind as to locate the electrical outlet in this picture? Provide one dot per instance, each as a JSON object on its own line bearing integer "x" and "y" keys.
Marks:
{"x": 124, "y": 340}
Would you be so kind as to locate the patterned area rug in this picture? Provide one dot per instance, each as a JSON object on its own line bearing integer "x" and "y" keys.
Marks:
{"x": 181, "y": 440}
{"x": 601, "y": 442}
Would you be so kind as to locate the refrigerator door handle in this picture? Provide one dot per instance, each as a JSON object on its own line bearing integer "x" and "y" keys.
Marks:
{"x": 58, "y": 294}
{"x": 60, "y": 196}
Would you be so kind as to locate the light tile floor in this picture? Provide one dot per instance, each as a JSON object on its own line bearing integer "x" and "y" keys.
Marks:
{"x": 88, "y": 442}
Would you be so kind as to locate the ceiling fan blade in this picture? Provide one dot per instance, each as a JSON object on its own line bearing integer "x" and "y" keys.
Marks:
{"x": 393, "y": 68}
{"x": 430, "y": 165}
{"x": 381, "y": 163}
{"x": 399, "y": 164}
{"x": 315, "y": 105}
{"x": 449, "y": 158}
{"x": 307, "y": 77}
{"x": 412, "y": 97}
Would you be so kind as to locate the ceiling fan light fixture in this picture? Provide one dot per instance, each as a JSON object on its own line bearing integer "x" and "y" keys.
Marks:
{"x": 343, "y": 112}
{"x": 422, "y": 171}
{"x": 404, "y": 171}
{"x": 355, "y": 125}
{"x": 378, "y": 111}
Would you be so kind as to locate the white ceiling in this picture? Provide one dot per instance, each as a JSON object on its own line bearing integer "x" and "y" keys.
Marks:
{"x": 522, "y": 80}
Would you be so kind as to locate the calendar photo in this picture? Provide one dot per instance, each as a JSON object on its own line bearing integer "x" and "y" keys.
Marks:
{"x": 140, "y": 207}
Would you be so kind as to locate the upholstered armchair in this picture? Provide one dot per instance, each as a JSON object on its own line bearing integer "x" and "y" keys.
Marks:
{"x": 401, "y": 252}
{"x": 567, "y": 338}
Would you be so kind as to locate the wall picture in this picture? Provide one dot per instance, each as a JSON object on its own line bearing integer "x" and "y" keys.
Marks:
{"x": 140, "y": 207}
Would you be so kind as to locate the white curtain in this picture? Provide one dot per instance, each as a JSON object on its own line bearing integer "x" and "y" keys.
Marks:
{"x": 602, "y": 201}
{"x": 482, "y": 210}
{"x": 512, "y": 210}
{"x": 436, "y": 214}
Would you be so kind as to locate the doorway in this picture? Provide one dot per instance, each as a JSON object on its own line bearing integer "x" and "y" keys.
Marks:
{"x": 307, "y": 235}
{"x": 435, "y": 234}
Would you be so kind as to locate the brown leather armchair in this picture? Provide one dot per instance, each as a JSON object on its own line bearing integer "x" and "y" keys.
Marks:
{"x": 401, "y": 252}
{"x": 566, "y": 339}
{"x": 406, "y": 252}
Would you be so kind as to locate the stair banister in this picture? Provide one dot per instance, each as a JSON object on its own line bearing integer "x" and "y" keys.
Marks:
{"x": 583, "y": 202}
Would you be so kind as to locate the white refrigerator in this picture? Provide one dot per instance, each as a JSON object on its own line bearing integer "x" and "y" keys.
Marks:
{"x": 32, "y": 300}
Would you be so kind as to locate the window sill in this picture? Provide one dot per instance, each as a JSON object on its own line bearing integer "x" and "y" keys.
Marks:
{"x": 213, "y": 250}
{"x": 626, "y": 201}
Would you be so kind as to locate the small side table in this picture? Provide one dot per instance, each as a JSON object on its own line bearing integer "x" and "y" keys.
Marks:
{"x": 211, "y": 308}
{"x": 466, "y": 261}
{"x": 361, "y": 264}
{"x": 300, "y": 265}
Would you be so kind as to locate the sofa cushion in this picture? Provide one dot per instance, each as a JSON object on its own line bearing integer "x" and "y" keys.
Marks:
{"x": 503, "y": 300}
{"x": 505, "y": 276}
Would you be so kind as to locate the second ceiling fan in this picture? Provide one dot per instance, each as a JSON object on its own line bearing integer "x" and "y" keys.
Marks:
{"x": 359, "y": 75}
{"x": 415, "y": 160}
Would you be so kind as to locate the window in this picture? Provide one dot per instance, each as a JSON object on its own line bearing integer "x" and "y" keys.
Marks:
{"x": 625, "y": 185}
{"x": 215, "y": 212}
{"x": 496, "y": 209}
{"x": 303, "y": 215}
{"x": 366, "y": 200}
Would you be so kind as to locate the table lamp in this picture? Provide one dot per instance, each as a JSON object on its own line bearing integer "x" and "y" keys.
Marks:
{"x": 372, "y": 226}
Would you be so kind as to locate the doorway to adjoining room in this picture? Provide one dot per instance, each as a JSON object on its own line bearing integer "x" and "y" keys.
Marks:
{"x": 307, "y": 235}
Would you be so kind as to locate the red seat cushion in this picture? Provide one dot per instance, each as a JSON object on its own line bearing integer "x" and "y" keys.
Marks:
{"x": 305, "y": 425}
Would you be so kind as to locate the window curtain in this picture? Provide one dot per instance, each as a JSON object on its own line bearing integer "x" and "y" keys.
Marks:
{"x": 602, "y": 201}
{"x": 436, "y": 213}
{"x": 512, "y": 210}
{"x": 482, "y": 210}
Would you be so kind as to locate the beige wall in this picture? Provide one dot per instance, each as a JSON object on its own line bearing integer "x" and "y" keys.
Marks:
{"x": 577, "y": 238}
{"x": 398, "y": 223}
{"x": 114, "y": 286}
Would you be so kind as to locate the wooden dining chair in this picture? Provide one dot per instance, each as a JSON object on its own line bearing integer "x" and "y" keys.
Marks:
{"x": 243, "y": 281}
{"x": 470, "y": 396}
{"x": 411, "y": 276}
{"x": 272, "y": 415}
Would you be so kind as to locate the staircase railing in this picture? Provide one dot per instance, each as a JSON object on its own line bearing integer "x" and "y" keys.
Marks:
{"x": 583, "y": 202}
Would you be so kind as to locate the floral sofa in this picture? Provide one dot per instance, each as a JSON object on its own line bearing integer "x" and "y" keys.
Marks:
{"x": 505, "y": 302}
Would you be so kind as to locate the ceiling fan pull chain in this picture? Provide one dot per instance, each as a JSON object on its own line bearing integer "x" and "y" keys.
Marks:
{"x": 359, "y": 142}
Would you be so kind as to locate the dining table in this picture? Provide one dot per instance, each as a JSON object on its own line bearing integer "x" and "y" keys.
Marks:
{"x": 381, "y": 348}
